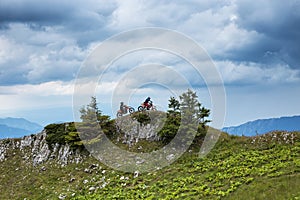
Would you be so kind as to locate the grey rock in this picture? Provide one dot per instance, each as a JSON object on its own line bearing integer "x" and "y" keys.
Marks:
{"x": 26, "y": 142}
{"x": 62, "y": 196}
{"x": 2, "y": 153}
{"x": 134, "y": 131}
{"x": 170, "y": 157}
{"x": 136, "y": 174}
{"x": 139, "y": 161}
{"x": 43, "y": 168}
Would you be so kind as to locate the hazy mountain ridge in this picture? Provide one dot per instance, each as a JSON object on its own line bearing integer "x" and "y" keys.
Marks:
{"x": 17, "y": 127}
{"x": 262, "y": 126}
{"x": 6, "y": 131}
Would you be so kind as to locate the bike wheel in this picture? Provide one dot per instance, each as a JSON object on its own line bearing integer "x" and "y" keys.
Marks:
{"x": 140, "y": 108}
{"x": 131, "y": 110}
{"x": 119, "y": 114}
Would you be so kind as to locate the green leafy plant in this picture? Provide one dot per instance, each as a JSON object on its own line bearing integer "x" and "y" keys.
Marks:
{"x": 142, "y": 117}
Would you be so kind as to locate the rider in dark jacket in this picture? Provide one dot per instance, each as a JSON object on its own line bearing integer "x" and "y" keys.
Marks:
{"x": 146, "y": 103}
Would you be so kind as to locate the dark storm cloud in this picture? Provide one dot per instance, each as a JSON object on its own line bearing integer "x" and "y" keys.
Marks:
{"x": 80, "y": 18}
{"x": 34, "y": 11}
{"x": 278, "y": 23}
{"x": 258, "y": 50}
{"x": 11, "y": 76}
{"x": 42, "y": 41}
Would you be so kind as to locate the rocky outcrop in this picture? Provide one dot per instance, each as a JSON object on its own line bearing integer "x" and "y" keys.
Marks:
{"x": 131, "y": 131}
{"x": 35, "y": 150}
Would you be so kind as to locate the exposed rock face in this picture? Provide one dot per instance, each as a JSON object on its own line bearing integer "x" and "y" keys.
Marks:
{"x": 34, "y": 149}
{"x": 3, "y": 148}
{"x": 132, "y": 131}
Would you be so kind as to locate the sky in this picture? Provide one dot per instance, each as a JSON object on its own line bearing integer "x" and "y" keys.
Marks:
{"x": 254, "y": 47}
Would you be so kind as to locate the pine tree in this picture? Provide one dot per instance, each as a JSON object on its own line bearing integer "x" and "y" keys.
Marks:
{"x": 174, "y": 105}
{"x": 90, "y": 127}
{"x": 193, "y": 115}
{"x": 189, "y": 123}
{"x": 90, "y": 113}
{"x": 189, "y": 105}
{"x": 172, "y": 124}
{"x": 202, "y": 114}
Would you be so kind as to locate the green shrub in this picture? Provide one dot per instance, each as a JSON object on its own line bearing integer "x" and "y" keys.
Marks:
{"x": 64, "y": 133}
{"x": 55, "y": 134}
{"x": 142, "y": 117}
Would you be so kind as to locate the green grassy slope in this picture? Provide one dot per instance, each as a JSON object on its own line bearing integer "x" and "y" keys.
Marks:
{"x": 262, "y": 167}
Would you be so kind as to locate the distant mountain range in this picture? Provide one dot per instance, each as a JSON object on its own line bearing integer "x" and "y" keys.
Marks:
{"x": 262, "y": 126}
{"x": 17, "y": 127}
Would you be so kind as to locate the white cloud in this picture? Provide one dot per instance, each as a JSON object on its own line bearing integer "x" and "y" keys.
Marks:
{"x": 52, "y": 88}
{"x": 7, "y": 50}
{"x": 58, "y": 64}
{"x": 256, "y": 73}
{"x": 34, "y": 101}
{"x": 36, "y": 56}
{"x": 11, "y": 51}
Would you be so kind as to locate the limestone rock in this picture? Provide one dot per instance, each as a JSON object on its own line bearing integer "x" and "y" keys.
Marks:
{"x": 134, "y": 131}
{"x": 35, "y": 150}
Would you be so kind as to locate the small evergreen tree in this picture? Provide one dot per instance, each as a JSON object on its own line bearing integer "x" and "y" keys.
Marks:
{"x": 94, "y": 124}
{"x": 189, "y": 110}
{"x": 189, "y": 105}
{"x": 172, "y": 124}
{"x": 174, "y": 105}
{"x": 202, "y": 114}
{"x": 90, "y": 113}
